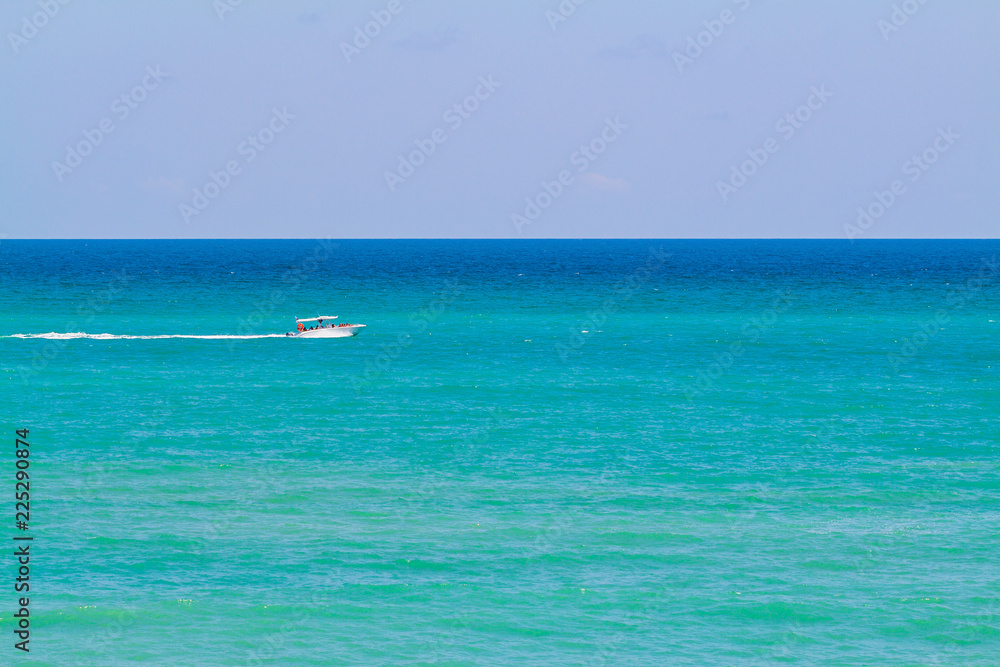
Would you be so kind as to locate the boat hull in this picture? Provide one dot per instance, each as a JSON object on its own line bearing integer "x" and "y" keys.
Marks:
{"x": 331, "y": 332}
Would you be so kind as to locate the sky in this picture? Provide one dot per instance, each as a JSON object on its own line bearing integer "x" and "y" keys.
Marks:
{"x": 856, "y": 119}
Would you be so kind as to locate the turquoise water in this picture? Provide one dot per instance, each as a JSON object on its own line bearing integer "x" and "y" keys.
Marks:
{"x": 760, "y": 452}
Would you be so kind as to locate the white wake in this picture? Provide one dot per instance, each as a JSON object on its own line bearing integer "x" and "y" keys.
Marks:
{"x": 106, "y": 336}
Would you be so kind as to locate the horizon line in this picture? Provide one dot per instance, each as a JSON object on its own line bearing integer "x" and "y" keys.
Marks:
{"x": 466, "y": 238}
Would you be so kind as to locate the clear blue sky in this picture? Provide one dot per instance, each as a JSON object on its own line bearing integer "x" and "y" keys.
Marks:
{"x": 312, "y": 119}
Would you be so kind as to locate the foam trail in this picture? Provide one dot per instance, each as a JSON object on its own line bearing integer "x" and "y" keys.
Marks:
{"x": 106, "y": 336}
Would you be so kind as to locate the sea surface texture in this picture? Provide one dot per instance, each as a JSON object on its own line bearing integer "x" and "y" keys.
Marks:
{"x": 536, "y": 452}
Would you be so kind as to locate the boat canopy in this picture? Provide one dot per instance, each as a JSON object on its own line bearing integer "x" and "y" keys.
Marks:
{"x": 315, "y": 319}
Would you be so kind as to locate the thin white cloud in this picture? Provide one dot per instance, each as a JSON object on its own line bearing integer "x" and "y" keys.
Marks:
{"x": 439, "y": 39}
{"x": 601, "y": 182}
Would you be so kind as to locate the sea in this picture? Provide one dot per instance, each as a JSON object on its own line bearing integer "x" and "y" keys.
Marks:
{"x": 537, "y": 452}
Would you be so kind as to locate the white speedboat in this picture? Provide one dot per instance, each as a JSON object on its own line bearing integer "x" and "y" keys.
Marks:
{"x": 323, "y": 327}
